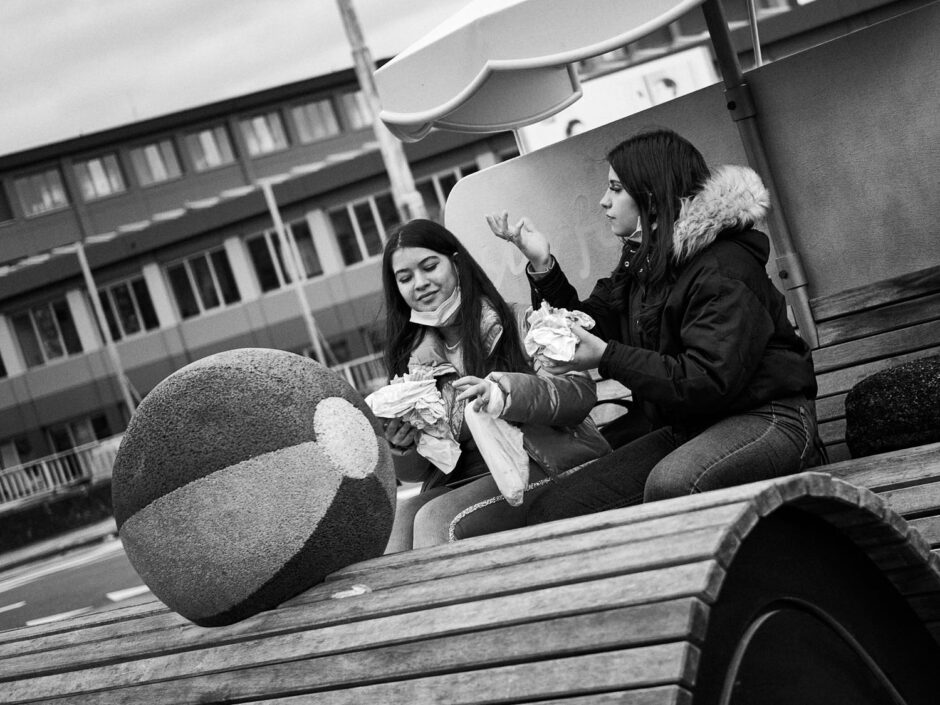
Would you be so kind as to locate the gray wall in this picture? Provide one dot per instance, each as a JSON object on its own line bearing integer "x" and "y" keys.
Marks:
{"x": 851, "y": 133}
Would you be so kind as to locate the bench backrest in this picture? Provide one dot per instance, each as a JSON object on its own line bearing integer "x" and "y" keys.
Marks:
{"x": 619, "y": 606}
{"x": 868, "y": 329}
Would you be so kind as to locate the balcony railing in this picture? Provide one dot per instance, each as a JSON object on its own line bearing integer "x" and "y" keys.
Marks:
{"x": 365, "y": 374}
{"x": 46, "y": 476}
{"x": 54, "y": 473}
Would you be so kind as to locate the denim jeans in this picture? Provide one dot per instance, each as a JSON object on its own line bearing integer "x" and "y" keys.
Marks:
{"x": 776, "y": 439}
{"x": 442, "y": 514}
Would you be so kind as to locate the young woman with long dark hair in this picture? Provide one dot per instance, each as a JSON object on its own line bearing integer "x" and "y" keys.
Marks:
{"x": 442, "y": 310}
{"x": 689, "y": 321}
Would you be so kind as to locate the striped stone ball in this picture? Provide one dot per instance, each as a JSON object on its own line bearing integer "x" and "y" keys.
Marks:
{"x": 247, "y": 477}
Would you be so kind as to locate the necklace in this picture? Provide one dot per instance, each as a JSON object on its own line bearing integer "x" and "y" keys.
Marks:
{"x": 451, "y": 348}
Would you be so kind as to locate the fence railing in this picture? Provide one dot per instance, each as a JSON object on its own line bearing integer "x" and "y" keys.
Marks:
{"x": 366, "y": 374}
{"x": 93, "y": 461}
{"x": 51, "y": 474}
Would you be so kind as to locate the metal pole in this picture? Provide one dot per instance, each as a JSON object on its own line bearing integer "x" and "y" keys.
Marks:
{"x": 744, "y": 113}
{"x": 105, "y": 330}
{"x": 407, "y": 199}
{"x": 755, "y": 32}
{"x": 293, "y": 269}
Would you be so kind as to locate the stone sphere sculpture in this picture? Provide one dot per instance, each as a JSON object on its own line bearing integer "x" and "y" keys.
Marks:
{"x": 895, "y": 408}
{"x": 247, "y": 477}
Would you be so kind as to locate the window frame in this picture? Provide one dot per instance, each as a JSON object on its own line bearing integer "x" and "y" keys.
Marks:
{"x": 141, "y": 148}
{"x": 302, "y": 108}
{"x": 106, "y": 292}
{"x": 272, "y": 246}
{"x": 38, "y": 338}
{"x": 191, "y": 138}
{"x": 349, "y": 207}
{"x": 28, "y": 179}
{"x": 83, "y": 165}
{"x": 250, "y": 137}
{"x": 185, "y": 262}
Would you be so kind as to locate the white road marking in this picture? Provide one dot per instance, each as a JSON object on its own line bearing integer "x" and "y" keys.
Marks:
{"x": 12, "y": 606}
{"x": 127, "y": 593}
{"x": 57, "y": 617}
{"x": 99, "y": 553}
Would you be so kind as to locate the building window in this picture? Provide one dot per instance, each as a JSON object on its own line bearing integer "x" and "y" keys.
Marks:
{"x": 128, "y": 308}
{"x": 315, "y": 120}
{"x": 79, "y": 432}
{"x": 210, "y": 148}
{"x": 361, "y": 227}
{"x": 99, "y": 177}
{"x": 41, "y": 193}
{"x": 267, "y": 257}
{"x": 264, "y": 134}
{"x": 435, "y": 189}
{"x": 46, "y": 332}
{"x": 155, "y": 163}
{"x": 356, "y": 109}
{"x": 202, "y": 283}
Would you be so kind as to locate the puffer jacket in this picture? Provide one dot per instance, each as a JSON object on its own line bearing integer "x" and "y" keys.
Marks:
{"x": 724, "y": 342}
{"x": 551, "y": 410}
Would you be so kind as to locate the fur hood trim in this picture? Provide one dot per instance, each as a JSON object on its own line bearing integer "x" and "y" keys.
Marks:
{"x": 733, "y": 197}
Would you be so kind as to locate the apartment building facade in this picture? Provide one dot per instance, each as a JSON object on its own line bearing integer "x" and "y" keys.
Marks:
{"x": 180, "y": 243}
{"x": 185, "y": 259}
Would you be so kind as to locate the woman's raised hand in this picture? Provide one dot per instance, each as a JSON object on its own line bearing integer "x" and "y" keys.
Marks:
{"x": 531, "y": 242}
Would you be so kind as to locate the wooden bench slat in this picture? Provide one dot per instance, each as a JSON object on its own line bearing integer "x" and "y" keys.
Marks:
{"x": 441, "y": 606}
{"x": 908, "y": 501}
{"x": 929, "y": 528}
{"x": 838, "y": 452}
{"x": 895, "y": 469}
{"x": 832, "y": 431}
{"x": 656, "y": 665}
{"x": 253, "y": 669}
{"x": 482, "y": 553}
{"x": 876, "y": 347}
{"x": 879, "y": 320}
{"x": 842, "y": 380}
{"x": 906, "y": 286}
{"x": 830, "y": 408}
{"x": 666, "y": 695}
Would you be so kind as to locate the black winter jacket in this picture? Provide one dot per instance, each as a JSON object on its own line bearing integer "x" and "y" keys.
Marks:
{"x": 724, "y": 343}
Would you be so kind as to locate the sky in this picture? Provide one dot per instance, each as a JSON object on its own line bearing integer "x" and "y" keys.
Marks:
{"x": 73, "y": 67}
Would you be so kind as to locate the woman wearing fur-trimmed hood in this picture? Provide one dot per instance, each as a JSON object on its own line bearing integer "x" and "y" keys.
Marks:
{"x": 723, "y": 387}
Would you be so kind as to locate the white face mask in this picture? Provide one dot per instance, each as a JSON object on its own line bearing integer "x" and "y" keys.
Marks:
{"x": 637, "y": 235}
{"x": 445, "y": 314}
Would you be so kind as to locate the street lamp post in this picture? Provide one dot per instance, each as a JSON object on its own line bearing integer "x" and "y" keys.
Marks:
{"x": 407, "y": 199}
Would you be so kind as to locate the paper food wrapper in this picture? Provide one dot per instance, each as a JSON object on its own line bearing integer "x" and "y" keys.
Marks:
{"x": 550, "y": 332}
{"x": 414, "y": 398}
{"x": 500, "y": 444}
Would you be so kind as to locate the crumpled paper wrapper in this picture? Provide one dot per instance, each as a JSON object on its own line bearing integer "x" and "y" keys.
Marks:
{"x": 550, "y": 332}
{"x": 414, "y": 397}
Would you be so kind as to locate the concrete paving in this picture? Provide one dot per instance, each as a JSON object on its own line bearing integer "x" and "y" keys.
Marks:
{"x": 59, "y": 544}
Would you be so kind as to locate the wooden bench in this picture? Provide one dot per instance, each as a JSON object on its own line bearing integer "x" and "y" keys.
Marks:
{"x": 654, "y": 604}
{"x": 868, "y": 329}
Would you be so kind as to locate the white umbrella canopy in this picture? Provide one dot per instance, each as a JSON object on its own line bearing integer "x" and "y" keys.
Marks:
{"x": 503, "y": 64}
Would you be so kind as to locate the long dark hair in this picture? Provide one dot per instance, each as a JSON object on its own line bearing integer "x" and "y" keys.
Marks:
{"x": 403, "y": 336}
{"x": 658, "y": 168}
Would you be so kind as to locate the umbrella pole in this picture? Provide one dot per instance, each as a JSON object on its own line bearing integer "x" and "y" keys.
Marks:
{"x": 744, "y": 113}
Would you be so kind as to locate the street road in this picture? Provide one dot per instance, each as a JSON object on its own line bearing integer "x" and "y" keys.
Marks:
{"x": 81, "y": 581}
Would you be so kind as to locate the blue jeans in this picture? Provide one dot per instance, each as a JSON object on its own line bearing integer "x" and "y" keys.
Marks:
{"x": 441, "y": 514}
{"x": 776, "y": 439}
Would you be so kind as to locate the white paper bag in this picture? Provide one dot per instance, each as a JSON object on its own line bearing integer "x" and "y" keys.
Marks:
{"x": 500, "y": 444}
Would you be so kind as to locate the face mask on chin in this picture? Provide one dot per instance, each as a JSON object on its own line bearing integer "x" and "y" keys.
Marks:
{"x": 636, "y": 236}
{"x": 443, "y": 315}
